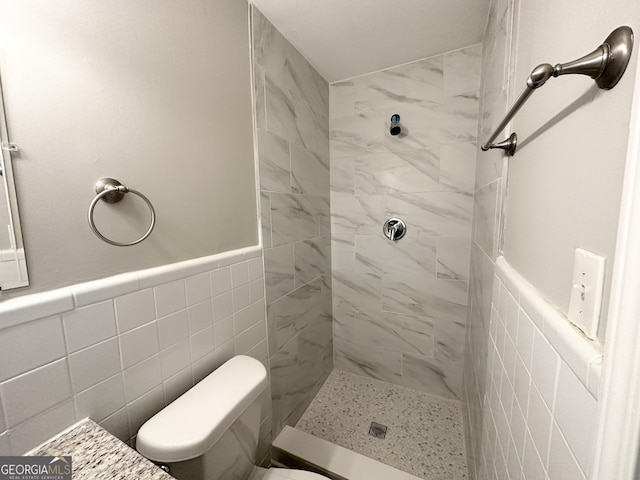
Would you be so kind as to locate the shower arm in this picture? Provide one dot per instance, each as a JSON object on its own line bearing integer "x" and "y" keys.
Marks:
{"x": 605, "y": 65}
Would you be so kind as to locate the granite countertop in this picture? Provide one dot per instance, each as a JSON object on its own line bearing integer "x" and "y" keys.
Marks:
{"x": 97, "y": 455}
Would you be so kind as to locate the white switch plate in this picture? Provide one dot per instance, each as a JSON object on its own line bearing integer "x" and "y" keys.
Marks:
{"x": 586, "y": 292}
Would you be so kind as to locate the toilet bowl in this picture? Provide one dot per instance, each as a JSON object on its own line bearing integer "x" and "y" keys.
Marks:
{"x": 211, "y": 432}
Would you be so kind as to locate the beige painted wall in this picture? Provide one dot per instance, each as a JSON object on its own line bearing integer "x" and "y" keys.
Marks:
{"x": 154, "y": 93}
{"x": 565, "y": 180}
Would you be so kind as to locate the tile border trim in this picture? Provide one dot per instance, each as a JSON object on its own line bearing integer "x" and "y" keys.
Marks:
{"x": 19, "y": 310}
{"x": 582, "y": 355}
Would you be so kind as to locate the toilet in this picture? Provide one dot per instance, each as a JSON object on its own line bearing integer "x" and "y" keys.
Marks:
{"x": 211, "y": 432}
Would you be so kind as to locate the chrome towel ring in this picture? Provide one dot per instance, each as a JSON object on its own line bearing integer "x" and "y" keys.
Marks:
{"x": 112, "y": 191}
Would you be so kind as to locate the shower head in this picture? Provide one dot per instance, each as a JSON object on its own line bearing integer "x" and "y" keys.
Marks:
{"x": 395, "y": 125}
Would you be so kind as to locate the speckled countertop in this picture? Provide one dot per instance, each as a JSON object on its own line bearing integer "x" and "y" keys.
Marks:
{"x": 97, "y": 455}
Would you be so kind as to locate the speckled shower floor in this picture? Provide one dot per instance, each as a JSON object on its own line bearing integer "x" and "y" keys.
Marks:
{"x": 425, "y": 434}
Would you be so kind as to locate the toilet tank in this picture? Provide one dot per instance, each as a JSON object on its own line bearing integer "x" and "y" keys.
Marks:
{"x": 224, "y": 404}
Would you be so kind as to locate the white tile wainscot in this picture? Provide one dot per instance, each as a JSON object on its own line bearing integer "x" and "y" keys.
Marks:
{"x": 542, "y": 387}
{"x": 119, "y": 349}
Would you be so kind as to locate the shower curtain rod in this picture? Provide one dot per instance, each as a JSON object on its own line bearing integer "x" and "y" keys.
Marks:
{"x": 606, "y": 65}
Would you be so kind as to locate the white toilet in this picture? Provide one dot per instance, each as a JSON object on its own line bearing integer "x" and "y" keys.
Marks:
{"x": 211, "y": 432}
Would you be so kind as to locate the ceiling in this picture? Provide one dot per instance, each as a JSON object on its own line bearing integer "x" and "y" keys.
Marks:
{"x": 347, "y": 38}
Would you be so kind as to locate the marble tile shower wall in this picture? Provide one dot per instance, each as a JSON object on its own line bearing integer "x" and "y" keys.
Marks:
{"x": 292, "y": 117}
{"x": 399, "y": 308}
{"x": 494, "y": 92}
{"x": 119, "y": 349}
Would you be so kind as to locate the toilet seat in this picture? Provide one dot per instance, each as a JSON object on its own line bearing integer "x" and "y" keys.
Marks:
{"x": 286, "y": 474}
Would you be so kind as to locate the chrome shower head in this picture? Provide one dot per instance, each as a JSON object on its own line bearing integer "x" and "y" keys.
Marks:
{"x": 395, "y": 125}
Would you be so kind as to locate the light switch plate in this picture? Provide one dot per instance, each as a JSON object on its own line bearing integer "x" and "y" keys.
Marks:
{"x": 586, "y": 292}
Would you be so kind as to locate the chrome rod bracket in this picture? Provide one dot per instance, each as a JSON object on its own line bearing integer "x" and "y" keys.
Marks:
{"x": 10, "y": 147}
{"x": 606, "y": 65}
{"x": 509, "y": 145}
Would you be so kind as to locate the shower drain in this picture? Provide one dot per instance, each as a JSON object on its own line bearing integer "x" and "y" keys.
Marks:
{"x": 377, "y": 430}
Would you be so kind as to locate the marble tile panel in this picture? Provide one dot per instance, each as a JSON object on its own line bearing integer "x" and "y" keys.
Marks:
{"x": 436, "y": 213}
{"x": 462, "y": 70}
{"x": 430, "y": 375}
{"x": 274, "y": 163}
{"x": 343, "y": 252}
{"x": 269, "y": 47}
{"x": 458, "y": 167}
{"x": 362, "y": 214}
{"x": 313, "y": 340}
{"x": 413, "y": 254}
{"x": 323, "y": 212}
{"x": 358, "y": 134}
{"x": 312, "y": 258}
{"x": 354, "y": 292}
{"x": 409, "y": 171}
{"x": 485, "y": 214}
{"x": 428, "y": 297}
{"x": 310, "y": 96}
{"x": 308, "y": 86}
{"x": 342, "y": 177}
{"x": 279, "y": 272}
{"x": 342, "y": 99}
{"x": 374, "y": 362}
{"x": 449, "y": 339}
{"x": 260, "y": 99}
{"x": 430, "y": 124}
{"x": 292, "y": 313}
{"x": 388, "y": 330}
{"x": 283, "y": 374}
{"x": 309, "y": 172}
{"x": 404, "y": 85}
{"x": 293, "y": 218}
{"x": 265, "y": 219}
{"x": 281, "y": 111}
{"x": 454, "y": 256}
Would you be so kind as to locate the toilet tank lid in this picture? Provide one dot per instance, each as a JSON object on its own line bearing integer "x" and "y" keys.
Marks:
{"x": 193, "y": 423}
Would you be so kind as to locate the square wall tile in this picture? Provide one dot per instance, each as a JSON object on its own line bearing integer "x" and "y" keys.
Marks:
{"x": 135, "y": 309}
{"x": 86, "y": 326}
{"x": 201, "y": 343}
{"x": 222, "y": 306}
{"x": 43, "y": 339}
{"x": 170, "y": 297}
{"x": 544, "y": 367}
{"x": 198, "y": 288}
{"x": 241, "y": 297}
{"x": 177, "y": 385}
{"x": 239, "y": 274}
{"x": 255, "y": 269}
{"x": 223, "y": 331}
{"x": 94, "y": 364}
{"x": 139, "y": 344}
{"x": 175, "y": 358}
{"x": 200, "y": 316}
{"x": 173, "y": 328}
{"x": 36, "y": 391}
{"x": 40, "y": 428}
{"x": 142, "y": 377}
{"x": 220, "y": 281}
{"x": 562, "y": 462}
{"x": 145, "y": 407}
{"x": 576, "y": 413}
{"x": 101, "y": 400}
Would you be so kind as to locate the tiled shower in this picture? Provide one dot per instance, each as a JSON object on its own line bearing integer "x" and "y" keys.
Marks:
{"x": 326, "y": 293}
{"x": 399, "y": 307}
